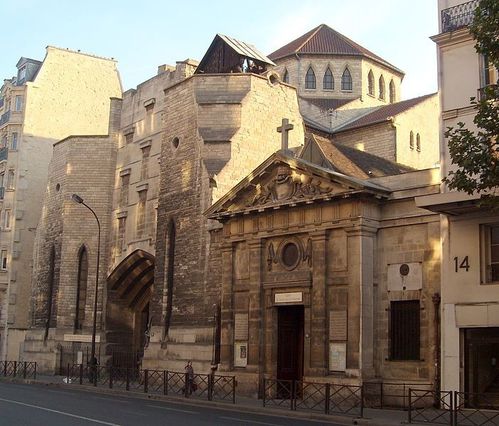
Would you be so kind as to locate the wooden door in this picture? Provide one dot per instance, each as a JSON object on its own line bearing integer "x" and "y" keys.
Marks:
{"x": 290, "y": 343}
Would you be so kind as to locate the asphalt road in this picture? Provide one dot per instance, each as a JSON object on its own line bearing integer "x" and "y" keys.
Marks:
{"x": 37, "y": 405}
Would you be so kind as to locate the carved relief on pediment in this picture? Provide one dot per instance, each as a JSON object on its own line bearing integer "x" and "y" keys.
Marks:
{"x": 286, "y": 185}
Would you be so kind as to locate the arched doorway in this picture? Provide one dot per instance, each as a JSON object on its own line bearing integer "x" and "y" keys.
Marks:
{"x": 127, "y": 314}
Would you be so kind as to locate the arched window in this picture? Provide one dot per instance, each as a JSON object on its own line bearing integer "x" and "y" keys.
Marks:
{"x": 310, "y": 79}
{"x": 411, "y": 140}
{"x": 170, "y": 260}
{"x": 328, "y": 81}
{"x": 392, "y": 92}
{"x": 81, "y": 288}
{"x": 50, "y": 291}
{"x": 285, "y": 76}
{"x": 382, "y": 88}
{"x": 346, "y": 80}
{"x": 418, "y": 143}
{"x": 370, "y": 83}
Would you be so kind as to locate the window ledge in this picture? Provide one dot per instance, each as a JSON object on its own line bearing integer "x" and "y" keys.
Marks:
{"x": 371, "y": 95}
{"x": 490, "y": 283}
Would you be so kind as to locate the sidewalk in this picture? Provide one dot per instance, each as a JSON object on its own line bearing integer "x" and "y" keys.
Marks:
{"x": 372, "y": 417}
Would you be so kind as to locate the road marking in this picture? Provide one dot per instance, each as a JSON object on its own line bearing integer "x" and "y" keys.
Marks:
{"x": 60, "y": 412}
{"x": 173, "y": 409}
{"x": 249, "y": 421}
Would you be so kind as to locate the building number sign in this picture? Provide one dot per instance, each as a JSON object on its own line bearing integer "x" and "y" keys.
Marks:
{"x": 464, "y": 264}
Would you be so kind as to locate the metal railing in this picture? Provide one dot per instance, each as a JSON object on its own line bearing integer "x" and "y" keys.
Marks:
{"x": 458, "y": 16}
{"x": 23, "y": 369}
{"x": 327, "y": 398}
{"x": 390, "y": 394}
{"x": 476, "y": 409}
{"x": 202, "y": 386}
{"x": 428, "y": 406}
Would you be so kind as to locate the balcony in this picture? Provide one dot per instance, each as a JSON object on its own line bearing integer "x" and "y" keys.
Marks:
{"x": 4, "y": 118}
{"x": 458, "y": 16}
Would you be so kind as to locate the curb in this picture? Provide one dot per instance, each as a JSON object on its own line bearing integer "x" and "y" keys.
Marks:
{"x": 328, "y": 418}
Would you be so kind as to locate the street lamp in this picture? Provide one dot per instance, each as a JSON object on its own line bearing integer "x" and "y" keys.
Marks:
{"x": 77, "y": 199}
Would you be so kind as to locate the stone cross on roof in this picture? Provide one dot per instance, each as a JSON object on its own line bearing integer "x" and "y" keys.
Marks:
{"x": 283, "y": 130}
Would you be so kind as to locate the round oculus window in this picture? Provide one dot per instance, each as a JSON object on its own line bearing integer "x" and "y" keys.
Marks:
{"x": 290, "y": 255}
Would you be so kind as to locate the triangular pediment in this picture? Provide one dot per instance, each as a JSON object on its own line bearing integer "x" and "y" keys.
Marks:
{"x": 284, "y": 180}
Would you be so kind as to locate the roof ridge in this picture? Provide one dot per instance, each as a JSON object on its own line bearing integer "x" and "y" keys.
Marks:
{"x": 314, "y": 32}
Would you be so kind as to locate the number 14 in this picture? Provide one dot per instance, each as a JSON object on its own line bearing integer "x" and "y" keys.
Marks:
{"x": 463, "y": 265}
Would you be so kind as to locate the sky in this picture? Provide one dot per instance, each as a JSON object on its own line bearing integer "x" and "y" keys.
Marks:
{"x": 143, "y": 35}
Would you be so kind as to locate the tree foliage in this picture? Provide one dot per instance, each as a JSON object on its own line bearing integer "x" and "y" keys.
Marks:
{"x": 476, "y": 153}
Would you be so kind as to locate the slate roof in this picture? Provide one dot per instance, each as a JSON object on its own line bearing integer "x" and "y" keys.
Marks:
{"x": 327, "y": 104}
{"x": 382, "y": 114}
{"x": 323, "y": 40}
{"x": 356, "y": 163}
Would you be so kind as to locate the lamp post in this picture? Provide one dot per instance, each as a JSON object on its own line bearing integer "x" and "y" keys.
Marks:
{"x": 93, "y": 361}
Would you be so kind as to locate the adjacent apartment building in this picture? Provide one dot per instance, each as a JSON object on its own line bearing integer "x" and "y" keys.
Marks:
{"x": 470, "y": 233}
{"x": 66, "y": 93}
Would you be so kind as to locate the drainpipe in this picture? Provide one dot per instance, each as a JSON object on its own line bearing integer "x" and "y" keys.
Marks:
{"x": 436, "y": 351}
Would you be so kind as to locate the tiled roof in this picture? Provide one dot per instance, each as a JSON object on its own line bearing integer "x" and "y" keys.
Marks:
{"x": 356, "y": 163}
{"x": 323, "y": 40}
{"x": 382, "y": 114}
{"x": 327, "y": 104}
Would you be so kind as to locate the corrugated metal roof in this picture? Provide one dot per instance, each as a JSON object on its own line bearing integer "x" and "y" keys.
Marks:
{"x": 245, "y": 49}
{"x": 323, "y": 40}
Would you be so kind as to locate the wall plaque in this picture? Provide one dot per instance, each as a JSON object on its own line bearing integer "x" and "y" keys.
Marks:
{"x": 338, "y": 325}
{"x": 295, "y": 297}
{"x": 85, "y": 338}
{"x": 337, "y": 356}
{"x": 241, "y": 327}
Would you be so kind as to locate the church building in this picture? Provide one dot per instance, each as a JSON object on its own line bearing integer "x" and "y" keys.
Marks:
{"x": 318, "y": 236}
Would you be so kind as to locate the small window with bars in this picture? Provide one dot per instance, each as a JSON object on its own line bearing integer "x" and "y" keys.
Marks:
{"x": 405, "y": 330}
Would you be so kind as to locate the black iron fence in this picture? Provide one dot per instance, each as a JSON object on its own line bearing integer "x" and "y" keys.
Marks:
{"x": 390, "y": 394}
{"x": 453, "y": 408}
{"x": 22, "y": 369}
{"x": 327, "y": 398}
{"x": 202, "y": 386}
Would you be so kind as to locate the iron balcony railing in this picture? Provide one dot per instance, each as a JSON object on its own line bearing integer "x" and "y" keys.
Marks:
{"x": 458, "y": 16}
{"x": 4, "y": 118}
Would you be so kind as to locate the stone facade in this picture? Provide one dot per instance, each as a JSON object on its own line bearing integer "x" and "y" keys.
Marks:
{"x": 350, "y": 249}
{"x": 218, "y": 128}
{"x": 75, "y": 88}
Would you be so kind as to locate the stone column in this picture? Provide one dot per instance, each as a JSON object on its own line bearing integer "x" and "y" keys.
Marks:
{"x": 360, "y": 346}
{"x": 318, "y": 306}
{"x": 227, "y": 310}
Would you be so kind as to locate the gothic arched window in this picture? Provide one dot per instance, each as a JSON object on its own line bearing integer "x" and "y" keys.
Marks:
{"x": 81, "y": 288}
{"x": 50, "y": 291}
{"x": 170, "y": 261}
{"x": 418, "y": 143}
{"x": 346, "y": 80}
{"x": 411, "y": 140}
{"x": 392, "y": 92}
{"x": 285, "y": 76}
{"x": 328, "y": 81}
{"x": 382, "y": 88}
{"x": 370, "y": 83}
{"x": 310, "y": 79}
